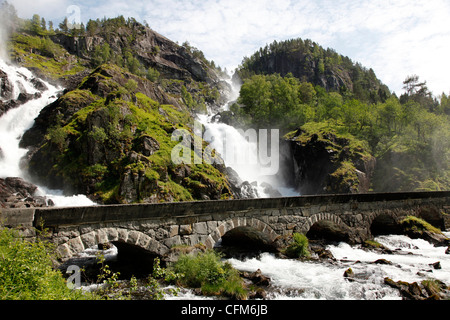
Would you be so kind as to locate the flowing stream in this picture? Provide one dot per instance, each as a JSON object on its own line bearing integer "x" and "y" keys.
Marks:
{"x": 294, "y": 279}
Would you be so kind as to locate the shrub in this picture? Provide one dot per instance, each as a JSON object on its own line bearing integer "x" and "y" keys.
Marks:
{"x": 26, "y": 271}
{"x": 299, "y": 247}
{"x": 206, "y": 271}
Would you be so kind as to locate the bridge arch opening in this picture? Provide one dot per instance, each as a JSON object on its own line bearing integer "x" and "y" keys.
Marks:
{"x": 328, "y": 231}
{"x": 132, "y": 260}
{"x": 249, "y": 238}
{"x": 123, "y": 258}
{"x": 385, "y": 224}
{"x": 243, "y": 238}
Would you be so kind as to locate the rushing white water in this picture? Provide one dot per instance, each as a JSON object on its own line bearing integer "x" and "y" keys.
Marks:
{"x": 242, "y": 151}
{"x": 15, "y": 122}
{"x": 294, "y": 279}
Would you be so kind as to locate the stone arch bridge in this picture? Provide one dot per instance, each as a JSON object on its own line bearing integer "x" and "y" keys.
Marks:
{"x": 158, "y": 227}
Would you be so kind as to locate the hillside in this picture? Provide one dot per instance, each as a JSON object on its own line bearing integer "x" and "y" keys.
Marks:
{"x": 309, "y": 62}
{"x": 344, "y": 130}
{"x": 109, "y": 133}
{"x": 128, "y": 88}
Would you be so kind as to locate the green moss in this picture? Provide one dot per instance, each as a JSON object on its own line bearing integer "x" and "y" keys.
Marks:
{"x": 416, "y": 225}
{"x": 299, "y": 247}
{"x": 44, "y": 55}
{"x": 334, "y": 134}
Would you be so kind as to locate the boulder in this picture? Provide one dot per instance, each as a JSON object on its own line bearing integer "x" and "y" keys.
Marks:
{"x": 18, "y": 193}
{"x": 426, "y": 290}
{"x": 257, "y": 278}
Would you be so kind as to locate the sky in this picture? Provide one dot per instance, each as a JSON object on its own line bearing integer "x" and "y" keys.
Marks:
{"x": 396, "y": 38}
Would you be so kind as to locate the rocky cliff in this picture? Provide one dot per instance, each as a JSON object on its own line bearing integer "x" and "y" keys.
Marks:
{"x": 149, "y": 47}
{"x": 110, "y": 138}
{"x": 309, "y": 62}
{"x": 325, "y": 162}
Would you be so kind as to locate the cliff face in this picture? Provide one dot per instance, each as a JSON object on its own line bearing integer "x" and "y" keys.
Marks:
{"x": 325, "y": 163}
{"x": 110, "y": 138}
{"x": 301, "y": 66}
{"x": 309, "y": 62}
{"x": 149, "y": 47}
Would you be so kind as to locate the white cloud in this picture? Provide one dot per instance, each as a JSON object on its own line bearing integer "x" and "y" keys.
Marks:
{"x": 49, "y": 9}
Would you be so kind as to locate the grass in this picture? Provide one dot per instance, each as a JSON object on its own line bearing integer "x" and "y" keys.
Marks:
{"x": 26, "y": 271}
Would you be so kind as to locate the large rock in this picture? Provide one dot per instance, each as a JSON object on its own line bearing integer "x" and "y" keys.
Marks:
{"x": 18, "y": 193}
{"x": 324, "y": 163}
{"x": 427, "y": 290}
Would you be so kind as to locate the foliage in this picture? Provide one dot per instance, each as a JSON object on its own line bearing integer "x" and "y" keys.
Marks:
{"x": 308, "y": 61}
{"x": 299, "y": 247}
{"x": 206, "y": 271}
{"x": 26, "y": 271}
{"x": 408, "y": 136}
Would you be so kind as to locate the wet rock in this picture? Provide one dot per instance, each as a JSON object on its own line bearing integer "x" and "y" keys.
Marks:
{"x": 426, "y": 290}
{"x": 38, "y": 84}
{"x": 409, "y": 291}
{"x": 6, "y": 89}
{"x": 18, "y": 193}
{"x": 383, "y": 261}
{"x": 436, "y": 265}
{"x": 257, "y": 278}
{"x": 349, "y": 275}
{"x": 258, "y": 293}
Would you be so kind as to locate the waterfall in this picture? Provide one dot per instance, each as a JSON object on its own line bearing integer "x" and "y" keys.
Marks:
{"x": 16, "y": 121}
{"x": 247, "y": 152}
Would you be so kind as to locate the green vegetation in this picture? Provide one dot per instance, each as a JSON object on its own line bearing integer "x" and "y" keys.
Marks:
{"x": 309, "y": 62}
{"x": 299, "y": 247}
{"x": 26, "y": 271}
{"x": 127, "y": 138}
{"x": 408, "y": 135}
{"x": 207, "y": 272}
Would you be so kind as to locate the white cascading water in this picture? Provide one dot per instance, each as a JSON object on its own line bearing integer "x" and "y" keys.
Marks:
{"x": 15, "y": 122}
{"x": 293, "y": 279}
{"x": 308, "y": 280}
{"x": 241, "y": 153}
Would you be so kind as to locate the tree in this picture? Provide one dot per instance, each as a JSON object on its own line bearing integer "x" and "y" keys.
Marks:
{"x": 43, "y": 24}
{"x": 36, "y": 24}
{"x": 64, "y": 25}
{"x": 101, "y": 54}
{"x": 152, "y": 74}
{"x": 91, "y": 27}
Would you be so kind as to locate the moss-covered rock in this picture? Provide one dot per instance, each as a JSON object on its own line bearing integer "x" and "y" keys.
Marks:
{"x": 418, "y": 228}
{"x": 327, "y": 160}
{"x": 112, "y": 140}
